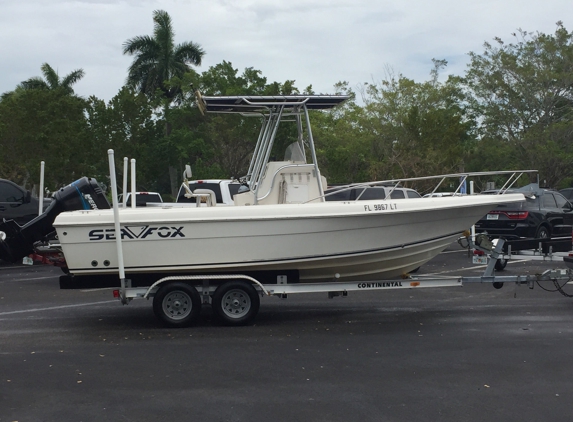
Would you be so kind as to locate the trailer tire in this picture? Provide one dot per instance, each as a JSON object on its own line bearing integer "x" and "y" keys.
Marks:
{"x": 236, "y": 303}
{"x": 177, "y": 304}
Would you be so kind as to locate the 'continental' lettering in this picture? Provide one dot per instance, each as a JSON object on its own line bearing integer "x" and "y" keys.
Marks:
{"x": 380, "y": 285}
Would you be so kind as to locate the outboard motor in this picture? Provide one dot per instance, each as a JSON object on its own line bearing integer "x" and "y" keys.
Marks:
{"x": 18, "y": 241}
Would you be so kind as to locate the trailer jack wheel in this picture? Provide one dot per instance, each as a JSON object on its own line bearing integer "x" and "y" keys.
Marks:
{"x": 236, "y": 303}
{"x": 177, "y": 304}
{"x": 500, "y": 264}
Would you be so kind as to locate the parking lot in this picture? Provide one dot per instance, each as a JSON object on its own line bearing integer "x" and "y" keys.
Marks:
{"x": 455, "y": 354}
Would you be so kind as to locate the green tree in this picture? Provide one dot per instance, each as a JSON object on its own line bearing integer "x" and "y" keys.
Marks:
{"x": 43, "y": 125}
{"x": 128, "y": 124}
{"x": 158, "y": 63}
{"x": 158, "y": 59}
{"x": 403, "y": 129}
{"x": 52, "y": 80}
{"x": 523, "y": 92}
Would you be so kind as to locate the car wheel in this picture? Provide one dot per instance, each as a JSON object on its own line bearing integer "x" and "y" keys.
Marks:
{"x": 542, "y": 233}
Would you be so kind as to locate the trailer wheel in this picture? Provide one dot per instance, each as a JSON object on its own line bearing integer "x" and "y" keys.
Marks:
{"x": 236, "y": 303}
{"x": 177, "y": 304}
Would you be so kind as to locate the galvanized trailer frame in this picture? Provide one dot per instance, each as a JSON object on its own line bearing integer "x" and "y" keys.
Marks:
{"x": 239, "y": 306}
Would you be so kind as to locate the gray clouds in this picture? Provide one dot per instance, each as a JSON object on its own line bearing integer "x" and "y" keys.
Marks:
{"x": 313, "y": 42}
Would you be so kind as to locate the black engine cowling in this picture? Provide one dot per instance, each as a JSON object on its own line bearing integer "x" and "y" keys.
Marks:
{"x": 18, "y": 241}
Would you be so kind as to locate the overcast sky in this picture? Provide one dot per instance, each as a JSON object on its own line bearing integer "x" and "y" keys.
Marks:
{"x": 318, "y": 42}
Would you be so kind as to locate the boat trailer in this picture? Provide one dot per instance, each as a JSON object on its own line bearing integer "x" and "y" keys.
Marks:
{"x": 235, "y": 298}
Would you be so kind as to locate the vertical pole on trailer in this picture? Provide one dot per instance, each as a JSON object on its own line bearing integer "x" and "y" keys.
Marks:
{"x": 120, "y": 264}
{"x": 41, "y": 191}
{"x": 473, "y": 228}
{"x": 125, "y": 170}
{"x": 133, "y": 198}
{"x": 313, "y": 152}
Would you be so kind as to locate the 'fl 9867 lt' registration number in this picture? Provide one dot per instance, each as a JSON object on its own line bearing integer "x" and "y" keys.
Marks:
{"x": 380, "y": 207}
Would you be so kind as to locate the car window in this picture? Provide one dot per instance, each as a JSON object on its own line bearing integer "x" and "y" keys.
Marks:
{"x": 561, "y": 201}
{"x": 10, "y": 193}
{"x": 567, "y": 193}
{"x": 370, "y": 194}
{"x": 529, "y": 203}
{"x": 337, "y": 196}
{"x": 234, "y": 189}
{"x": 549, "y": 200}
{"x": 413, "y": 194}
{"x": 142, "y": 199}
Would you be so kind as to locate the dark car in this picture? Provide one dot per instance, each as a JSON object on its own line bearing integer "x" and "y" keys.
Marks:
{"x": 544, "y": 214}
{"x": 17, "y": 204}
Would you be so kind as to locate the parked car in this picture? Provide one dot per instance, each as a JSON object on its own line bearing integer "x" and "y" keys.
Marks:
{"x": 441, "y": 194}
{"x": 544, "y": 214}
{"x": 141, "y": 198}
{"x": 17, "y": 203}
{"x": 365, "y": 194}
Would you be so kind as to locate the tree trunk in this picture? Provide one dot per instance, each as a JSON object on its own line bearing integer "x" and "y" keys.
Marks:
{"x": 174, "y": 182}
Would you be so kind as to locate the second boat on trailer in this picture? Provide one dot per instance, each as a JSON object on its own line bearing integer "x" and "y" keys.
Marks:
{"x": 280, "y": 232}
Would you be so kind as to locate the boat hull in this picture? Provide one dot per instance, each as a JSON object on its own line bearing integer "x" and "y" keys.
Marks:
{"x": 366, "y": 240}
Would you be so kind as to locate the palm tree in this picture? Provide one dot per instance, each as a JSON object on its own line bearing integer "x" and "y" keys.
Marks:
{"x": 158, "y": 59}
{"x": 52, "y": 80}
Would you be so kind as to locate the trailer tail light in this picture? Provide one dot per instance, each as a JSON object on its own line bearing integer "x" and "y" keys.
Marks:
{"x": 116, "y": 294}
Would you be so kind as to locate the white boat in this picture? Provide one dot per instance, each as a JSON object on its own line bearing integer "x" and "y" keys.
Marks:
{"x": 359, "y": 240}
{"x": 280, "y": 224}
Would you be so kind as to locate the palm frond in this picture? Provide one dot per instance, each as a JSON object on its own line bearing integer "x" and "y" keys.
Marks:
{"x": 189, "y": 52}
{"x": 72, "y": 78}
{"x": 34, "y": 83}
{"x": 138, "y": 44}
{"x": 51, "y": 76}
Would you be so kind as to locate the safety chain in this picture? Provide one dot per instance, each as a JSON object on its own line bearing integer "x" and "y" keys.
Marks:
{"x": 560, "y": 288}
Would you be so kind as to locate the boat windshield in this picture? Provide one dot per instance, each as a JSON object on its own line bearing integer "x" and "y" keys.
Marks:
{"x": 295, "y": 153}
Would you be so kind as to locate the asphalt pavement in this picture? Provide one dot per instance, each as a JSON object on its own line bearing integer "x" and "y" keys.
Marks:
{"x": 469, "y": 353}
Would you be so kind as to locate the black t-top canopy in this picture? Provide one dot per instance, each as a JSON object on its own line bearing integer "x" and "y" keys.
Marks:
{"x": 261, "y": 104}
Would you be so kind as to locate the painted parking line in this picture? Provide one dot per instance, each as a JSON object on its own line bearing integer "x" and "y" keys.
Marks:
{"x": 53, "y": 308}
{"x": 29, "y": 278}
